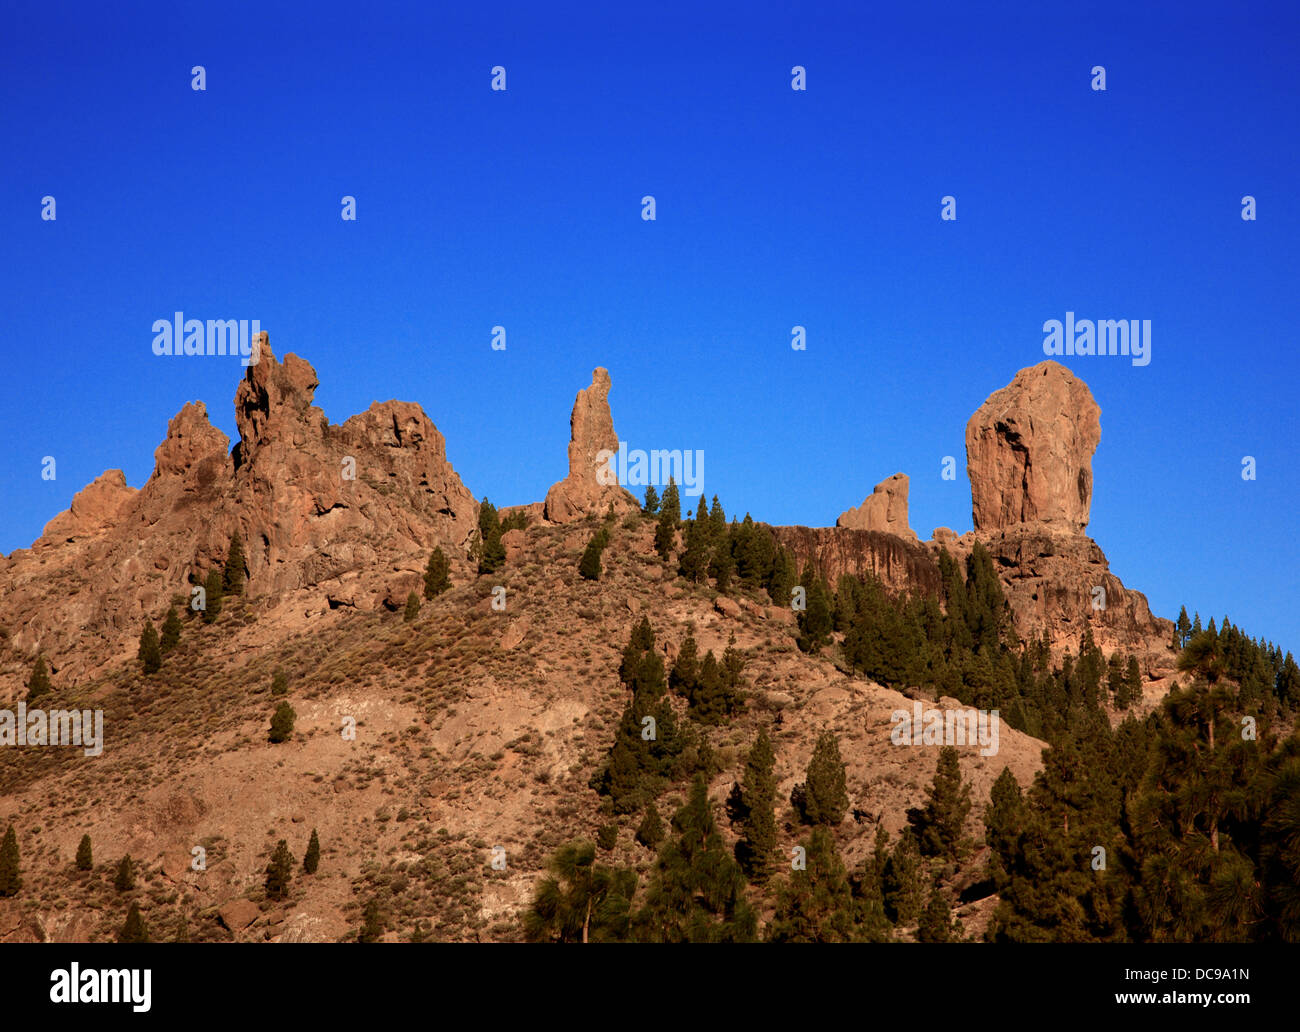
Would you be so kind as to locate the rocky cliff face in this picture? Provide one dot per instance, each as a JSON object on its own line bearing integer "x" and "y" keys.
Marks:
{"x": 581, "y": 493}
{"x": 885, "y": 509}
{"x": 898, "y": 563}
{"x": 331, "y": 516}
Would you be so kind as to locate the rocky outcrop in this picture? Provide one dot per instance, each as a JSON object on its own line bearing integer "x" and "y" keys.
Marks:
{"x": 898, "y": 563}
{"x": 1029, "y": 451}
{"x": 329, "y": 515}
{"x": 885, "y": 509}
{"x": 1058, "y": 582}
{"x": 584, "y": 491}
{"x": 95, "y": 508}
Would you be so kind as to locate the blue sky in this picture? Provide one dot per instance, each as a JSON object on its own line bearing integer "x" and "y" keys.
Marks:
{"x": 775, "y": 208}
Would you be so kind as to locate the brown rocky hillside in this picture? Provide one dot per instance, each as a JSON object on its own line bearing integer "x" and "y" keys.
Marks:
{"x": 475, "y": 728}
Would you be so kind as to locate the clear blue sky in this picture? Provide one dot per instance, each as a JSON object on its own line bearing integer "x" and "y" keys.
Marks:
{"x": 775, "y": 208}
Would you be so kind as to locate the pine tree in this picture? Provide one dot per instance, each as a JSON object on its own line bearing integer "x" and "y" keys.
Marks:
{"x": 589, "y": 564}
{"x": 721, "y": 563}
{"x": 124, "y": 880}
{"x": 232, "y": 580}
{"x": 607, "y": 837}
{"x": 1287, "y": 684}
{"x": 1115, "y": 674}
{"x": 718, "y": 520}
{"x": 815, "y": 621}
{"x": 939, "y": 822}
{"x": 39, "y": 683}
{"x": 85, "y": 858}
{"x": 696, "y": 892}
{"x": 279, "y": 871}
{"x": 671, "y": 503}
{"x": 493, "y": 552}
{"x": 580, "y": 900}
{"x": 282, "y": 723}
{"x": 134, "y": 930}
{"x": 437, "y": 574}
{"x": 694, "y": 565}
{"x": 1183, "y": 628}
{"x": 651, "y": 506}
{"x": 1004, "y": 819}
{"x": 936, "y": 920}
{"x": 10, "y": 878}
{"x": 716, "y": 694}
{"x": 171, "y": 632}
{"x": 757, "y": 810}
{"x": 783, "y": 579}
{"x": 150, "y": 653}
{"x": 1132, "y": 683}
{"x": 905, "y": 881}
{"x": 670, "y": 515}
{"x": 279, "y": 682}
{"x": 311, "y": 859}
{"x": 684, "y": 679}
{"x": 650, "y": 832}
{"x": 816, "y": 904}
{"x": 372, "y": 928}
{"x": 412, "y": 607}
{"x": 214, "y": 597}
{"x": 826, "y": 798}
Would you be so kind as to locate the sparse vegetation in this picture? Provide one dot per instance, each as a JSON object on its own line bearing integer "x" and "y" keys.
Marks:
{"x": 282, "y": 723}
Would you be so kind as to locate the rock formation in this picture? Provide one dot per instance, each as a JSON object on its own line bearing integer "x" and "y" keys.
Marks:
{"x": 885, "y": 509}
{"x": 95, "y": 507}
{"x": 1029, "y": 454}
{"x": 899, "y": 563}
{"x": 1029, "y": 451}
{"x": 581, "y": 493}
{"x": 331, "y": 516}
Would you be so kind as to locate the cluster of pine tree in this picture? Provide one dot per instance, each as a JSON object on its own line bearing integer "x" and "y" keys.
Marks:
{"x": 1177, "y": 828}
{"x": 740, "y": 554}
{"x": 962, "y": 644}
{"x": 701, "y": 891}
{"x": 652, "y": 748}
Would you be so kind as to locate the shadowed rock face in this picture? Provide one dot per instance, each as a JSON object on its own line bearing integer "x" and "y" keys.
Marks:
{"x": 1029, "y": 451}
{"x": 1050, "y": 576}
{"x": 899, "y": 564}
{"x": 312, "y": 535}
{"x": 885, "y": 509}
{"x": 581, "y": 493}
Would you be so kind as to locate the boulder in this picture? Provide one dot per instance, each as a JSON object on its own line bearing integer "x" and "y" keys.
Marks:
{"x": 238, "y": 914}
{"x": 1029, "y": 451}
